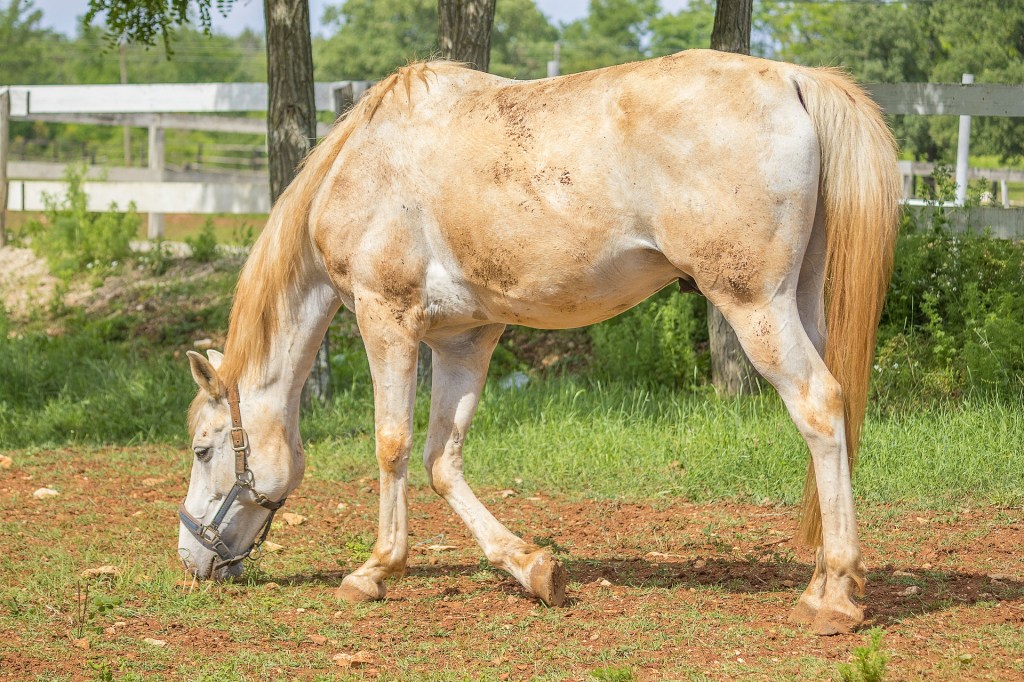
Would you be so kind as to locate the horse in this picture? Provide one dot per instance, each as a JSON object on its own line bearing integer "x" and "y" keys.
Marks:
{"x": 449, "y": 203}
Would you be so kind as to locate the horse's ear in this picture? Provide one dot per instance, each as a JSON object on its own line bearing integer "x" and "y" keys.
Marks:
{"x": 205, "y": 375}
{"x": 216, "y": 358}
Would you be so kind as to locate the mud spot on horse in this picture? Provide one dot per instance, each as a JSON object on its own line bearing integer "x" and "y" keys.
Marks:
{"x": 496, "y": 270}
{"x": 513, "y": 110}
{"x": 731, "y": 265}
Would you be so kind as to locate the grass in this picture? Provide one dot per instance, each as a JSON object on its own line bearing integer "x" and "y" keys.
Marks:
{"x": 620, "y": 441}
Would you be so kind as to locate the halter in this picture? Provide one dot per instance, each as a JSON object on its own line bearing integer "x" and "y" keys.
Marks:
{"x": 208, "y": 535}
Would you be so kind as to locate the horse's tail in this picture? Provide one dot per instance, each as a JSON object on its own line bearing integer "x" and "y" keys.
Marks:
{"x": 860, "y": 191}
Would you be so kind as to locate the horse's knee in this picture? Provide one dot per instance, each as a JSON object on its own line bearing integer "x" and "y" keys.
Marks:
{"x": 393, "y": 447}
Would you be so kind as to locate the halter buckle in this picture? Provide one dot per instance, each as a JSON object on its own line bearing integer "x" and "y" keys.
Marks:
{"x": 239, "y": 439}
{"x": 208, "y": 534}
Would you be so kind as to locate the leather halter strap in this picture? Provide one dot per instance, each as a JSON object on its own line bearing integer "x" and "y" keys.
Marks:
{"x": 208, "y": 535}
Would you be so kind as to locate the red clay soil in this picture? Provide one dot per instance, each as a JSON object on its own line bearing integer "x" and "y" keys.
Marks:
{"x": 660, "y": 589}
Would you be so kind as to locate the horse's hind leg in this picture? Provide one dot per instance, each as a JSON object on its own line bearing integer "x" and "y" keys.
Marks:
{"x": 459, "y": 371}
{"x": 391, "y": 348}
{"x": 781, "y": 350}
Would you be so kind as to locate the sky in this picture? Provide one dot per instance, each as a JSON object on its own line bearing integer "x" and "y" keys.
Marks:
{"x": 62, "y": 14}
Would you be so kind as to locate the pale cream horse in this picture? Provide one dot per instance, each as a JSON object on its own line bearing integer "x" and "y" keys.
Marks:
{"x": 450, "y": 203}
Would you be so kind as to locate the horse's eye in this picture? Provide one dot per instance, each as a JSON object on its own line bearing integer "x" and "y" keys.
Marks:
{"x": 202, "y": 454}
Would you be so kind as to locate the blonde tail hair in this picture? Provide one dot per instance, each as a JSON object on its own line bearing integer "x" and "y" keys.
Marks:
{"x": 861, "y": 192}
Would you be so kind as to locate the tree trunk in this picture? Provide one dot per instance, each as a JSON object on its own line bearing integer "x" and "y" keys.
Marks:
{"x": 291, "y": 128}
{"x": 464, "y": 30}
{"x": 731, "y": 371}
{"x": 731, "y": 32}
{"x": 464, "y": 33}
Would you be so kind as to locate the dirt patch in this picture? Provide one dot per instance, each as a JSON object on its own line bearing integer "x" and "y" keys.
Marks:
{"x": 25, "y": 282}
{"x": 659, "y": 589}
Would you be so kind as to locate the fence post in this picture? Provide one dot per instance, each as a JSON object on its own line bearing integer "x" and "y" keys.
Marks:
{"x": 963, "y": 150}
{"x": 155, "y": 229}
{"x": 5, "y": 138}
{"x": 1005, "y": 192}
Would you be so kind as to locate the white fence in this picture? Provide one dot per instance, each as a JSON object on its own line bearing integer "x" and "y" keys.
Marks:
{"x": 193, "y": 106}
{"x": 157, "y": 107}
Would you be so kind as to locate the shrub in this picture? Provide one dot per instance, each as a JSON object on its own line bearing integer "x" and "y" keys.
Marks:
{"x": 661, "y": 341}
{"x": 954, "y": 318}
{"x": 204, "y": 244}
{"x": 73, "y": 239}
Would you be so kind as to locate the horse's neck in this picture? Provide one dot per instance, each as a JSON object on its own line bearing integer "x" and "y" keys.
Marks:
{"x": 293, "y": 349}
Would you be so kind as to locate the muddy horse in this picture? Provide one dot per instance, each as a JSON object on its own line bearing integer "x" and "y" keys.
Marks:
{"x": 449, "y": 203}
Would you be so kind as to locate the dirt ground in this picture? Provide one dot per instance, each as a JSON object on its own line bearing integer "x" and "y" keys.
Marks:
{"x": 660, "y": 589}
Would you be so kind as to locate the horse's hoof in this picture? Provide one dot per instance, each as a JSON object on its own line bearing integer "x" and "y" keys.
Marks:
{"x": 802, "y": 613}
{"x": 547, "y": 578}
{"x": 360, "y": 588}
{"x": 834, "y": 622}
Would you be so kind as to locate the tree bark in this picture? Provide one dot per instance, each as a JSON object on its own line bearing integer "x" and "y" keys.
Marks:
{"x": 731, "y": 371}
{"x": 464, "y": 31}
{"x": 291, "y": 129}
{"x": 731, "y": 32}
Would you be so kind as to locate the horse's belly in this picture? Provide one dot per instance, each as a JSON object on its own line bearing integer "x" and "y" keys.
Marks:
{"x": 555, "y": 294}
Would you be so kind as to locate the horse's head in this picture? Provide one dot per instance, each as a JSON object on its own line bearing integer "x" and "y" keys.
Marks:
{"x": 244, "y": 467}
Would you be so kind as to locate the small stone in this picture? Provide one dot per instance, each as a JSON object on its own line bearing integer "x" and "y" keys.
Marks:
{"x": 594, "y": 637}
{"x": 341, "y": 507}
{"x": 150, "y": 482}
{"x": 270, "y": 586}
{"x": 202, "y": 344}
{"x": 926, "y": 566}
{"x": 441, "y": 548}
{"x": 154, "y": 642}
{"x": 293, "y": 519}
{"x": 604, "y": 583}
{"x": 508, "y": 492}
{"x": 271, "y": 547}
{"x": 6, "y": 462}
{"x": 353, "y": 660}
{"x": 81, "y": 643}
{"x": 300, "y": 610}
{"x": 319, "y": 640}
{"x": 788, "y": 583}
{"x": 911, "y": 591}
{"x": 903, "y": 574}
{"x": 339, "y": 614}
{"x": 964, "y": 659}
{"x": 998, "y": 577}
{"x": 920, "y": 519}
{"x": 99, "y": 571}
{"x": 700, "y": 563}
{"x": 43, "y": 493}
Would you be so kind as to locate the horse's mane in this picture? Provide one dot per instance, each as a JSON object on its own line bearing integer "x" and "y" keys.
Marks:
{"x": 284, "y": 253}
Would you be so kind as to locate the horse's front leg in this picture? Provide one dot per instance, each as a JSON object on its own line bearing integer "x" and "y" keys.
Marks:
{"x": 391, "y": 347}
{"x": 459, "y": 371}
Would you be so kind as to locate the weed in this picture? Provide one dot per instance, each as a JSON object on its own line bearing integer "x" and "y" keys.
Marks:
{"x": 204, "y": 244}
{"x": 359, "y": 547}
{"x": 868, "y": 661}
{"x": 243, "y": 235}
{"x": 612, "y": 674}
{"x": 549, "y": 542}
{"x": 80, "y": 616}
